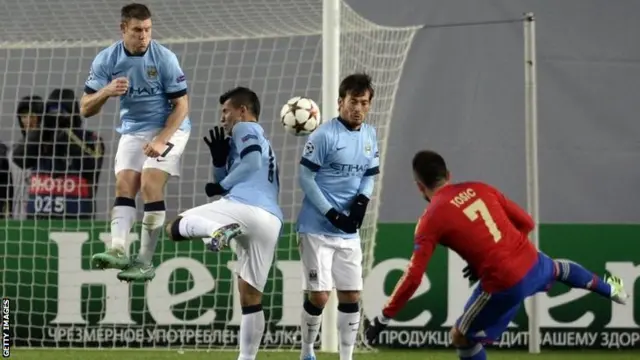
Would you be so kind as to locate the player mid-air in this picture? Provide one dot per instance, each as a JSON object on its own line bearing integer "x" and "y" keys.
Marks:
{"x": 490, "y": 232}
{"x": 152, "y": 89}
{"x": 339, "y": 163}
{"x": 246, "y": 174}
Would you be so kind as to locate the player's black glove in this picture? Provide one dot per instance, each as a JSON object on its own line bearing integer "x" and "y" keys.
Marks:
{"x": 468, "y": 273}
{"x": 358, "y": 210}
{"x": 341, "y": 221}
{"x": 374, "y": 329}
{"x": 213, "y": 189}
{"x": 218, "y": 146}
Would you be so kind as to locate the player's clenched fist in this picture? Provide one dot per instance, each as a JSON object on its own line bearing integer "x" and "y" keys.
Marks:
{"x": 117, "y": 87}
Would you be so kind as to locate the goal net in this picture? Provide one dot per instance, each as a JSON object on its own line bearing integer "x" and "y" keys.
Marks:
{"x": 271, "y": 46}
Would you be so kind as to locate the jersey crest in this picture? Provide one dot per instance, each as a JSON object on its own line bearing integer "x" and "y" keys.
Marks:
{"x": 152, "y": 72}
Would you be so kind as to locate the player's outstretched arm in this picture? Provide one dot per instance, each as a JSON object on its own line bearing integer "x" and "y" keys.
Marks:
{"x": 247, "y": 140}
{"x": 426, "y": 239}
{"x": 174, "y": 83}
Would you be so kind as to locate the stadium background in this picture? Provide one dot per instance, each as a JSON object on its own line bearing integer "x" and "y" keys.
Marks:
{"x": 461, "y": 92}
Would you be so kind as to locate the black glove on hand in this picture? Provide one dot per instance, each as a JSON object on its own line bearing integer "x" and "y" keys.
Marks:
{"x": 341, "y": 221}
{"x": 374, "y": 329}
{"x": 213, "y": 189}
{"x": 468, "y": 273}
{"x": 218, "y": 146}
{"x": 358, "y": 210}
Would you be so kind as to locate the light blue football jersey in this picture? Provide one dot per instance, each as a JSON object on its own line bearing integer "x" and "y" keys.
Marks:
{"x": 155, "y": 78}
{"x": 251, "y": 175}
{"x": 344, "y": 162}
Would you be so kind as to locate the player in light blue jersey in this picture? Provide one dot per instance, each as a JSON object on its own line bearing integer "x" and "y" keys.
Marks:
{"x": 246, "y": 175}
{"x": 154, "y": 127}
{"x": 337, "y": 170}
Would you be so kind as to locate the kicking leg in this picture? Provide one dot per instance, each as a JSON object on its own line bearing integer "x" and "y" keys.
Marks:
{"x": 215, "y": 235}
{"x": 576, "y": 276}
{"x": 123, "y": 216}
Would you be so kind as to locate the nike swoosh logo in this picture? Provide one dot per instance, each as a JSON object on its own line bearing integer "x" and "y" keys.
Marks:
{"x": 340, "y": 148}
{"x": 354, "y": 323}
{"x": 145, "y": 270}
{"x": 160, "y": 160}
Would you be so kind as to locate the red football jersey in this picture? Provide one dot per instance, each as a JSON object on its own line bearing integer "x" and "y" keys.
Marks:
{"x": 489, "y": 231}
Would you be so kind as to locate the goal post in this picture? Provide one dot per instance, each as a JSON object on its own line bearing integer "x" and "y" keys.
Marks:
{"x": 330, "y": 83}
{"x": 280, "y": 49}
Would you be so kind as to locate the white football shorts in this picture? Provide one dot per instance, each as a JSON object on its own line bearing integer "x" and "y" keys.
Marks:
{"x": 130, "y": 154}
{"x": 329, "y": 261}
{"x": 256, "y": 248}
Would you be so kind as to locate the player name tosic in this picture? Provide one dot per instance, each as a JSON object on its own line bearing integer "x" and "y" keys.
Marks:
{"x": 463, "y": 197}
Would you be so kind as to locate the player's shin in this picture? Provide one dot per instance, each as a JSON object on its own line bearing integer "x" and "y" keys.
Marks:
{"x": 251, "y": 330}
{"x": 348, "y": 324}
{"x": 310, "y": 327}
{"x": 152, "y": 221}
{"x": 123, "y": 215}
{"x": 575, "y": 275}
{"x": 472, "y": 352}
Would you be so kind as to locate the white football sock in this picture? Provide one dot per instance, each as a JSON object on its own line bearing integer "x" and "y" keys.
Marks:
{"x": 193, "y": 226}
{"x": 348, "y": 324}
{"x": 310, "y": 327}
{"x": 122, "y": 219}
{"x": 152, "y": 223}
{"x": 251, "y": 330}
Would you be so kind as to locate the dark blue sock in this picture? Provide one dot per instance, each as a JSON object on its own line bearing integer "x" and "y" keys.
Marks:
{"x": 473, "y": 352}
{"x": 574, "y": 275}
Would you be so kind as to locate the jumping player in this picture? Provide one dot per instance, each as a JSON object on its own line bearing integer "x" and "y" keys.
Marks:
{"x": 246, "y": 174}
{"x": 490, "y": 232}
{"x": 152, "y": 89}
{"x": 337, "y": 171}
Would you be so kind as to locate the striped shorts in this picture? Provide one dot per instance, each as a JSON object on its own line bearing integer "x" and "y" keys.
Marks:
{"x": 487, "y": 315}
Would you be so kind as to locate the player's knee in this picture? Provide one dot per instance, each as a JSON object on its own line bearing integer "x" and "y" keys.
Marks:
{"x": 127, "y": 184}
{"x": 173, "y": 230}
{"x": 348, "y": 296}
{"x": 318, "y": 298}
{"x": 249, "y": 295}
{"x": 458, "y": 339}
{"x": 152, "y": 191}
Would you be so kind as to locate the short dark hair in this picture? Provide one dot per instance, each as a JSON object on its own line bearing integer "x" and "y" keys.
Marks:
{"x": 135, "y": 11}
{"x": 356, "y": 85}
{"x": 430, "y": 168}
{"x": 31, "y": 104}
{"x": 240, "y": 96}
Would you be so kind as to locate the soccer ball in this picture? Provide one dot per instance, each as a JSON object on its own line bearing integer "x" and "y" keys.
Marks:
{"x": 300, "y": 116}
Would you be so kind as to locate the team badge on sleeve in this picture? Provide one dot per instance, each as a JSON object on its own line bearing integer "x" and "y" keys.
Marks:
{"x": 309, "y": 148}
